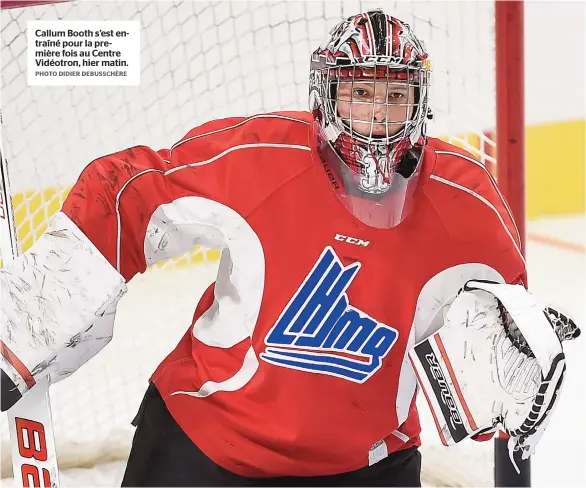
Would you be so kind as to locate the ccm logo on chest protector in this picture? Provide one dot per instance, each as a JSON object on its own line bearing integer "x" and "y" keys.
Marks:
{"x": 320, "y": 332}
{"x": 351, "y": 240}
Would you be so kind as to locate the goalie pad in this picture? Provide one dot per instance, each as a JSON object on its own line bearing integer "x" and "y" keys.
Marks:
{"x": 496, "y": 364}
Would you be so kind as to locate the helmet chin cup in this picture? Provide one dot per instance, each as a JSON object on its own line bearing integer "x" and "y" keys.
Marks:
{"x": 375, "y": 202}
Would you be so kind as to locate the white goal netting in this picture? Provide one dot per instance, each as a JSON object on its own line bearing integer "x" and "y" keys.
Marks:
{"x": 199, "y": 61}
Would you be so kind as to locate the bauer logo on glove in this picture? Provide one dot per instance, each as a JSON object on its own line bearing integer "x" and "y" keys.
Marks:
{"x": 497, "y": 363}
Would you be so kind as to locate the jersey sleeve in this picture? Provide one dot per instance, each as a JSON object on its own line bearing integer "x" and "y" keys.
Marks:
{"x": 476, "y": 240}
{"x": 106, "y": 206}
{"x": 59, "y": 298}
{"x": 475, "y": 213}
{"x": 116, "y": 196}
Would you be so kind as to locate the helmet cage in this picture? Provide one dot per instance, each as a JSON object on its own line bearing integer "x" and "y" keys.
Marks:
{"x": 326, "y": 83}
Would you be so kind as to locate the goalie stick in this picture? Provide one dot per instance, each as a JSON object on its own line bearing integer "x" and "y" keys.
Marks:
{"x": 34, "y": 458}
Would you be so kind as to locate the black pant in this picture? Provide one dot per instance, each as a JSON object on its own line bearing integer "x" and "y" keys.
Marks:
{"x": 163, "y": 455}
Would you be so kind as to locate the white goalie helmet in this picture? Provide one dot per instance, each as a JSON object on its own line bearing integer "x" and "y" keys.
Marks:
{"x": 369, "y": 86}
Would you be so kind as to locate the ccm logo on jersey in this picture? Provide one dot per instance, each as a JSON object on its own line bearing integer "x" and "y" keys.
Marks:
{"x": 320, "y": 332}
{"x": 351, "y": 240}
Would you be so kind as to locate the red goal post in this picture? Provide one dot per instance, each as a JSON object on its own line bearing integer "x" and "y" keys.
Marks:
{"x": 204, "y": 60}
{"x": 510, "y": 94}
{"x": 510, "y": 167}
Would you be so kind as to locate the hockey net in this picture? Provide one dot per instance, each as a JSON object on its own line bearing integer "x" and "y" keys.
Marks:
{"x": 199, "y": 61}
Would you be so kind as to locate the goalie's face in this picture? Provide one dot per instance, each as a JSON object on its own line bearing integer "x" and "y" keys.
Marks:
{"x": 377, "y": 109}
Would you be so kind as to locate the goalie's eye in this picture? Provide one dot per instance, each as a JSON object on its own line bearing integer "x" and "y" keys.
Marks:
{"x": 360, "y": 92}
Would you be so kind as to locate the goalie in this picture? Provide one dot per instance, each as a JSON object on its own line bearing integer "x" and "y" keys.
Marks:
{"x": 356, "y": 252}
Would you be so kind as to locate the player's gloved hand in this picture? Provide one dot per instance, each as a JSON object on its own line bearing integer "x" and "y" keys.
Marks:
{"x": 496, "y": 364}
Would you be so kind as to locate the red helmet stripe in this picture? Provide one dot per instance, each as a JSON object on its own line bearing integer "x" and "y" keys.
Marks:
{"x": 395, "y": 28}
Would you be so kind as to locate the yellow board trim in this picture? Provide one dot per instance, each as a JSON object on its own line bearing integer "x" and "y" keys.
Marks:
{"x": 555, "y": 176}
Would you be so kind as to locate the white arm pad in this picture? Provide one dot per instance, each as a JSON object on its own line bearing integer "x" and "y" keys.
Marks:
{"x": 55, "y": 297}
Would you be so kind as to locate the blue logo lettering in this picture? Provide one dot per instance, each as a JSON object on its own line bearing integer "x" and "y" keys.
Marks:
{"x": 318, "y": 324}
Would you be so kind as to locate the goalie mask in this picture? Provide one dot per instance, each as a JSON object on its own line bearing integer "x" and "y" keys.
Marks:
{"x": 369, "y": 94}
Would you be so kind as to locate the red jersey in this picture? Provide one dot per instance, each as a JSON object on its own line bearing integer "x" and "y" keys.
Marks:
{"x": 296, "y": 361}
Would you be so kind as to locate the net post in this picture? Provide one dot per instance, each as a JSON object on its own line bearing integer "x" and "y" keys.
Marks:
{"x": 510, "y": 139}
{"x": 510, "y": 107}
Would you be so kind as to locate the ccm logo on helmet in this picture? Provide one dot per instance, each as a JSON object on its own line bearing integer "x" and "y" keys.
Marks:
{"x": 351, "y": 240}
{"x": 379, "y": 59}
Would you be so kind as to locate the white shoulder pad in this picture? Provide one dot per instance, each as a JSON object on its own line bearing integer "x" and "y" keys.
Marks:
{"x": 51, "y": 297}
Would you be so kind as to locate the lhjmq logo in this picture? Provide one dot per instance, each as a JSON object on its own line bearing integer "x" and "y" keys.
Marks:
{"x": 318, "y": 324}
